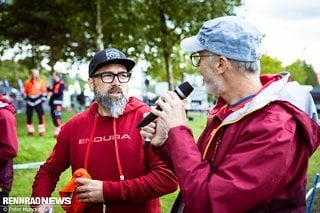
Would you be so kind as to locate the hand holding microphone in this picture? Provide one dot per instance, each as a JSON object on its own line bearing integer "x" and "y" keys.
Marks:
{"x": 155, "y": 132}
{"x": 172, "y": 113}
{"x": 183, "y": 91}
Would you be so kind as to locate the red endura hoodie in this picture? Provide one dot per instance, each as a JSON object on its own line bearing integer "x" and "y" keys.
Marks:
{"x": 116, "y": 153}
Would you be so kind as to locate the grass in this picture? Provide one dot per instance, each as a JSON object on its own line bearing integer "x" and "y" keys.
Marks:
{"x": 37, "y": 149}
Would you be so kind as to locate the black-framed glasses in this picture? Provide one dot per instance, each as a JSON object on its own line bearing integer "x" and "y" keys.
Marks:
{"x": 108, "y": 77}
{"x": 196, "y": 58}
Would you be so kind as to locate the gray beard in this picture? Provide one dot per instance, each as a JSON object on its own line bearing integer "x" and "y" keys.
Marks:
{"x": 114, "y": 106}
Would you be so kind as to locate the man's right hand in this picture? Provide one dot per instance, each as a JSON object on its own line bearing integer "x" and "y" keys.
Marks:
{"x": 156, "y": 132}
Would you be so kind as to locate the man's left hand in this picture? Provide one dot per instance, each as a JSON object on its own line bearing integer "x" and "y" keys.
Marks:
{"x": 89, "y": 190}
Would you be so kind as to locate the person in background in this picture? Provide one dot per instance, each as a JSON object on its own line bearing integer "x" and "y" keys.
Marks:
{"x": 102, "y": 141}
{"x": 252, "y": 156}
{"x": 8, "y": 149}
{"x": 56, "y": 100}
{"x": 81, "y": 99}
{"x": 35, "y": 93}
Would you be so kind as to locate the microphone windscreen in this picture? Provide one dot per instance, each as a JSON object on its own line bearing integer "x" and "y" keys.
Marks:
{"x": 183, "y": 90}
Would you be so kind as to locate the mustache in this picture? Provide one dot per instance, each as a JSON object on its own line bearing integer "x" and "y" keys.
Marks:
{"x": 115, "y": 89}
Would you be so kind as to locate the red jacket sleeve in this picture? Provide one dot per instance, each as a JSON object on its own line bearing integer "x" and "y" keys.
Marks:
{"x": 159, "y": 181}
{"x": 8, "y": 136}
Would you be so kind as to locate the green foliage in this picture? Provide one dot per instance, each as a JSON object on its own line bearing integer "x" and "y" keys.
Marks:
{"x": 13, "y": 71}
{"x": 300, "y": 71}
{"x": 297, "y": 72}
{"x": 270, "y": 65}
{"x": 35, "y": 148}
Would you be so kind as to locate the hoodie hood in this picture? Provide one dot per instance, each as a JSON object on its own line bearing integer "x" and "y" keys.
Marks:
{"x": 276, "y": 88}
{"x": 4, "y": 103}
{"x": 289, "y": 94}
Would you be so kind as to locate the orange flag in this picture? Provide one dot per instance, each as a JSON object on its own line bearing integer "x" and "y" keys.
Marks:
{"x": 69, "y": 191}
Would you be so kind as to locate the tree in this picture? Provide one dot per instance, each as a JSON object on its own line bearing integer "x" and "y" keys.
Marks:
{"x": 13, "y": 71}
{"x": 311, "y": 74}
{"x": 297, "y": 72}
{"x": 73, "y": 29}
{"x": 270, "y": 65}
{"x": 36, "y": 28}
{"x": 57, "y": 30}
{"x": 300, "y": 71}
{"x": 166, "y": 22}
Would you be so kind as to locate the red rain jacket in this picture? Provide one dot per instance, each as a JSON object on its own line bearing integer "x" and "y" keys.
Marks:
{"x": 8, "y": 142}
{"x": 255, "y": 160}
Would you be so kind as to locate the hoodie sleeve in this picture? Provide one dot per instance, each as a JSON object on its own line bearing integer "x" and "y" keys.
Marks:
{"x": 48, "y": 174}
{"x": 8, "y": 136}
{"x": 159, "y": 181}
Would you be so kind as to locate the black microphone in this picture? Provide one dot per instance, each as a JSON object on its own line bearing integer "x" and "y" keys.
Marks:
{"x": 183, "y": 91}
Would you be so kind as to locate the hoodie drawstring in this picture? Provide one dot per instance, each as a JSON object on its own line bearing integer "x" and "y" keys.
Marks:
{"x": 117, "y": 149}
{"x": 90, "y": 143}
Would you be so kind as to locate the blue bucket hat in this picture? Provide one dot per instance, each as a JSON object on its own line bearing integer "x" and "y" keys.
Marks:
{"x": 109, "y": 56}
{"x": 229, "y": 36}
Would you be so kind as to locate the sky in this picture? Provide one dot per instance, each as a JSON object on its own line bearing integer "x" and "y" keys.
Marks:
{"x": 291, "y": 28}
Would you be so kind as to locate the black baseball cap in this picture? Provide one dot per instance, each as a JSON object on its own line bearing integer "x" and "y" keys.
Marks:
{"x": 109, "y": 56}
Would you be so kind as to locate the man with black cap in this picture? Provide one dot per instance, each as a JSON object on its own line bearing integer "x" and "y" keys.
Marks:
{"x": 103, "y": 141}
{"x": 253, "y": 154}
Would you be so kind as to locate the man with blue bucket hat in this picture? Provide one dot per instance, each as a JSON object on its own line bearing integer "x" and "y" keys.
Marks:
{"x": 252, "y": 156}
